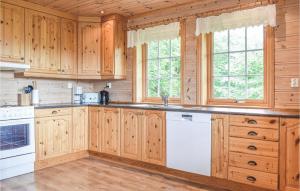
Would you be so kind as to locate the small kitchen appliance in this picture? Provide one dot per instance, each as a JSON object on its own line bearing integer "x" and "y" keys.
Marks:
{"x": 90, "y": 98}
{"x": 104, "y": 97}
{"x": 17, "y": 142}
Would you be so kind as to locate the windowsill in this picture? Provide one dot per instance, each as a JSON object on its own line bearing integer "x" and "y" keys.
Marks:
{"x": 159, "y": 100}
{"x": 247, "y": 104}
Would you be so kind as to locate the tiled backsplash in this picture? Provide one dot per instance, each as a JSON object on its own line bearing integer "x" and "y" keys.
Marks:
{"x": 50, "y": 91}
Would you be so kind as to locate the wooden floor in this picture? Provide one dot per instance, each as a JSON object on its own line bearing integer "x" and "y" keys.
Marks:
{"x": 92, "y": 174}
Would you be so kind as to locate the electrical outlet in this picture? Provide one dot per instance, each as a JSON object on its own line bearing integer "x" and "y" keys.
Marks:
{"x": 108, "y": 84}
{"x": 70, "y": 85}
{"x": 294, "y": 82}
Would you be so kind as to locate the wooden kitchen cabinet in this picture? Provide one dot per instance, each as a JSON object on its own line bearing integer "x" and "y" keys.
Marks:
{"x": 131, "y": 133}
{"x": 53, "y": 136}
{"x": 80, "y": 129}
{"x": 113, "y": 47}
{"x": 12, "y": 38}
{"x": 111, "y": 131}
{"x": 42, "y": 50}
{"x": 89, "y": 50}
{"x": 68, "y": 47}
{"x": 220, "y": 138}
{"x": 290, "y": 154}
{"x": 154, "y": 137}
{"x": 95, "y": 130}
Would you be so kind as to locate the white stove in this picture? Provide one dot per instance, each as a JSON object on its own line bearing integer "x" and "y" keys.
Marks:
{"x": 17, "y": 143}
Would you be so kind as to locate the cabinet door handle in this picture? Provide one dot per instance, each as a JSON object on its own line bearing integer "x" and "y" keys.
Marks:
{"x": 252, "y": 163}
{"x": 252, "y": 147}
{"x": 252, "y": 122}
{"x": 252, "y": 133}
{"x": 54, "y": 112}
{"x": 251, "y": 178}
{"x": 297, "y": 141}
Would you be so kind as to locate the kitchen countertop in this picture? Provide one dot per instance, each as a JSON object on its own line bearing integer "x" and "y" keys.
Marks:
{"x": 195, "y": 109}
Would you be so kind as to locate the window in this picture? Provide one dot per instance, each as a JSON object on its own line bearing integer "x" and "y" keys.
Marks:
{"x": 162, "y": 74}
{"x": 237, "y": 66}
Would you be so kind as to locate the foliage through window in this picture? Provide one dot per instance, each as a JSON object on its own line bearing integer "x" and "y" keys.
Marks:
{"x": 238, "y": 64}
{"x": 163, "y": 68}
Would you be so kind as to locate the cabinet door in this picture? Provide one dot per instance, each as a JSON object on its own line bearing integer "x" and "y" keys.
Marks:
{"x": 53, "y": 136}
{"x": 220, "y": 151}
{"x": 68, "y": 47}
{"x": 42, "y": 42}
{"x": 131, "y": 128}
{"x": 292, "y": 146}
{"x": 11, "y": 33}
{"x": 154, "y": 137}
{"x": 108, "y": 54}
{"x": 95, "y": 115}
{"x": 80, "y": 129}
{"x": 111, "y": 131}
{"x": 89, "y": 49}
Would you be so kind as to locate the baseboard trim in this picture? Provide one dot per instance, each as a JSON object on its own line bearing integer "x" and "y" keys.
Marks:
{"x": 38, "y": 165}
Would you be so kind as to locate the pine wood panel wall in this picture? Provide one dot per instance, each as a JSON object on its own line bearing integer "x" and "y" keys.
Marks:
{"x": 287, "y": 54}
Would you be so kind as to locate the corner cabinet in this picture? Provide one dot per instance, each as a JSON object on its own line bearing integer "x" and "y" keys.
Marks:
{"x": 12, "y": 33}
{"x": 113, "y": 47}
{"x": 290, "y": 154}
{"x": 154, "y": 137}
{"x": 89, "y": 50}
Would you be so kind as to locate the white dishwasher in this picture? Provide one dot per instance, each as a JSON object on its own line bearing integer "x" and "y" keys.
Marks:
{"x": 189, "y": 142}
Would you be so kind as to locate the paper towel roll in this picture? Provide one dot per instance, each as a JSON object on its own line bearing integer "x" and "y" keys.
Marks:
{"x": 35, "y": 97}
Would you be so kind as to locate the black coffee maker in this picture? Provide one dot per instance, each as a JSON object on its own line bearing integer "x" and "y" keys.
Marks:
{"x": 104, "y": 97}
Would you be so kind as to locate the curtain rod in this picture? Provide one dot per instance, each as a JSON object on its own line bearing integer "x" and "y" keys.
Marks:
{"x": 204, "y": 14}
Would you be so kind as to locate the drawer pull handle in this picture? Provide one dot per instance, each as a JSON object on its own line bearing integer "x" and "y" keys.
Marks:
{"x": 54, "y": 112}
{"x": 252, "y": 163}
{"x": 251, "y": 178}
{"x": 297, "y": 141}
{"x": 252, "y": 148}
{"x": 252, "y": 122}
{"x": 252, "y": 133}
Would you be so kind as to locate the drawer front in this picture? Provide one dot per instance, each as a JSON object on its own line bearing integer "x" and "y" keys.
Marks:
{"x": 256, "y": 147}
{"x": 254, "y": 133}
{"x": 52, "y": 112}
{"x": 254, "y": 178}
{"x": 254, "y": 121}
{"x": 254, "y": 162}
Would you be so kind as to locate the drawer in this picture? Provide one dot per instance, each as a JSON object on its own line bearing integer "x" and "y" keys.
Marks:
{"x": 254, "y": 133}
{"x": 52, "y": 112}
{"x": 256, "y": 147}
{"x": 254, "y": 162}
{"x": 254, "y": 121}
{"x": 254, "y": 178}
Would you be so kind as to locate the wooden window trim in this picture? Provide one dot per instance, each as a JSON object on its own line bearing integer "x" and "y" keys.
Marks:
{"x": 268, "y": 101}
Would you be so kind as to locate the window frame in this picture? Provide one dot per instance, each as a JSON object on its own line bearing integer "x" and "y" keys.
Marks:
{"x": 147, "y": 99}
{"x": 268, "y": 53}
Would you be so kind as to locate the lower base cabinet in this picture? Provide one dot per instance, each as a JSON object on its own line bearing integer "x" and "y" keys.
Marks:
{"x": 80, "y": 129}
{"x": 53, "y": 134}
{"x": 290, "y": 154}
{"x": 94, "y": 130}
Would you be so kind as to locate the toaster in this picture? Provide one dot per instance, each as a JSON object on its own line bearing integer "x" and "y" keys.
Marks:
{"x": 90, "y": 98}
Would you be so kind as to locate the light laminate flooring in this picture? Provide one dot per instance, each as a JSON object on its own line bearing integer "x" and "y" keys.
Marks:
{"x": 91, "y": 174}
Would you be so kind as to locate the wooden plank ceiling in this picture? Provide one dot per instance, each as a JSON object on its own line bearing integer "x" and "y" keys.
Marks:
{"x": 95, "y": 7}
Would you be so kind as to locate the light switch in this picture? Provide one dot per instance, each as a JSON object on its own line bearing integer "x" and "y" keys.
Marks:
{"x": 294, "y": 82}
{"x": 70, "y": 85}
{"x": 108, "y": 84}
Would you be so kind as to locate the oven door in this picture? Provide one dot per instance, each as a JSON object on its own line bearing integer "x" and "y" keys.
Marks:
{"x": 16, "y": 137}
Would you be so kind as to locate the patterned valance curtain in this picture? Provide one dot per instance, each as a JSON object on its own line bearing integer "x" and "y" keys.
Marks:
{"x": 161, "y": 32}
{"x": 265, "y": 15}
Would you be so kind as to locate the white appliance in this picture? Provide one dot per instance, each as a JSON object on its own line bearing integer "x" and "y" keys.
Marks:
{"x": 189, "y": 142}
{"x": 13, "y": 66}
{"x": 17, "y": 142}
{"x": 90, "y": 98}
{"x": 77, "y": 95}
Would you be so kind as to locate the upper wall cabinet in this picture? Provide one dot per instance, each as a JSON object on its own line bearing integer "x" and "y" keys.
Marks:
{"x": 11, "y": 33}
{"x": 89, "y": 50}
{"x": 113, "y": 48}
{"x": 42, "y": 42}
{"x": 68, "y": 57}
